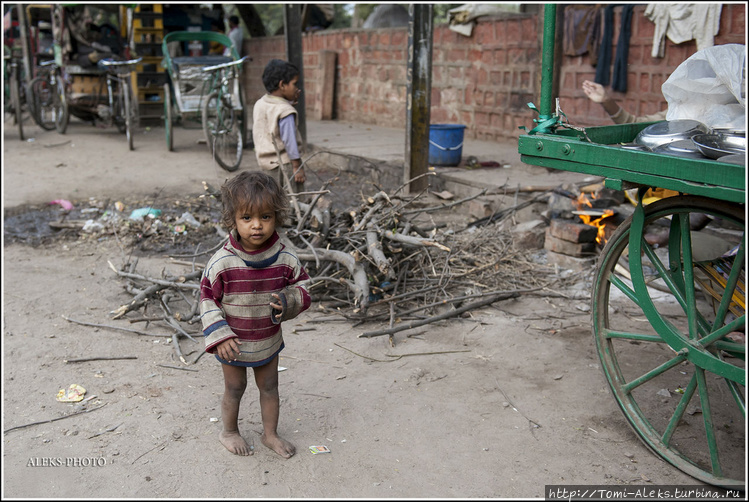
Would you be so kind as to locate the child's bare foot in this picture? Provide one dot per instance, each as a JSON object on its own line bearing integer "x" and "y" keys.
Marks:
{"x": 279, "y": 445}
{"x": 235, "y": 443}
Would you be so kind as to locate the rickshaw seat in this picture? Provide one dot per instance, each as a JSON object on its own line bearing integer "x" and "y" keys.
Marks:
{"x": 208, "y": 60}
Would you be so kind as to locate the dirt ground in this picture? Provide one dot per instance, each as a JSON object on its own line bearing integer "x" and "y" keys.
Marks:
{"x": 493, "y": 406}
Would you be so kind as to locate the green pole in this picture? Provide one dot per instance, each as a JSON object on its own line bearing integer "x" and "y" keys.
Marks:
{"x": 547, "y": 61}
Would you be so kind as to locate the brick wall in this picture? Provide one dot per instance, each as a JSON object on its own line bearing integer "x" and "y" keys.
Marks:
{"x": 483, "y": 81}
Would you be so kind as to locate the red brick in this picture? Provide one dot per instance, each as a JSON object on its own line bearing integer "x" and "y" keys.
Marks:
{"x": 572, "y": 231}
{"x": 557, "y": 245}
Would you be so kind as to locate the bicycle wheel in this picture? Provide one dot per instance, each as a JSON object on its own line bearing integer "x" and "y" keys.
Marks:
{"x": 129, "y": 115}
{"x": 168, "y": 124}
{"x": 62, "y": 114}
{"x": 15, "y": 98}
{"x": 223, "y": 130}
{"x": 41, "y": 103}
{"x": 668, "y": 324}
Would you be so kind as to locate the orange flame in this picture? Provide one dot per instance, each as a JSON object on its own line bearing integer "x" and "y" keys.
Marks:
{"x": 582, "y": 200}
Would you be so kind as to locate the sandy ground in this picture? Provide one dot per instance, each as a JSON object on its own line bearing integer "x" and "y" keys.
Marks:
{"x": 497, "y": 405}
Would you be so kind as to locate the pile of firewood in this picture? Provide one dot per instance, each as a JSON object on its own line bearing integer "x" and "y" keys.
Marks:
{"x": 388, "y": 261}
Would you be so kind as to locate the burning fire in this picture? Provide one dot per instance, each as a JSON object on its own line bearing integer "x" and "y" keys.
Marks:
{"x": 582, "y": 201}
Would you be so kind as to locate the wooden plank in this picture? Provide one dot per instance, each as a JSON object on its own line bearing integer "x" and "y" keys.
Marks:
{"x": 328, "y": 60}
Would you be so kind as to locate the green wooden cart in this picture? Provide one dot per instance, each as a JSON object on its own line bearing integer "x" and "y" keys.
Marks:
{"x": 669, "y": 322}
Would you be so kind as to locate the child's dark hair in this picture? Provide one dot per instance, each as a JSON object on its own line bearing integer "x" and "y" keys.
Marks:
{"x": 277, "y": 71}
{"x": 252, "y": 190}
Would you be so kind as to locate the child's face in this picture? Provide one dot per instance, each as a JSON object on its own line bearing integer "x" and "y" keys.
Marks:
{"x": 255, "y": 226}
{"x": 289, "y": 90}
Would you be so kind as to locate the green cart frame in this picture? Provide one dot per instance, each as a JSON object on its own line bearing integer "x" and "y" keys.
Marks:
{"x": 669, "y": 323}
{"x": 206, "y": 90}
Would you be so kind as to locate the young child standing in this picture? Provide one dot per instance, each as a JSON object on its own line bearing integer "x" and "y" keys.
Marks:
{"x": 274, "y": 121}
{"x": 248, "y": 288}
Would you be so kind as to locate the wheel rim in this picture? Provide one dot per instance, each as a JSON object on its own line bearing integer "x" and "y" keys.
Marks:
{"x": 168, "y": 117}
{"x": 44, "y": 104}
{"x": 15, "y": 96}
{"x": 222, "y": 127}
{"x": 63, "y": 116}
{"x": 697, "y": 422}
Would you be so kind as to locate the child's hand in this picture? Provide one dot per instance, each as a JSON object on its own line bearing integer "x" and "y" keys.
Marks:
{"x": 228, "y": 350}
{"x": 277, "y": 306}
{"x": 300, "y": 177}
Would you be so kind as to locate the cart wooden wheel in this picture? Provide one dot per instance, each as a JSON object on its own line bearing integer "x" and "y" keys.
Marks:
{"x": 669, "y": 327}
{"x": 168, "y": 123}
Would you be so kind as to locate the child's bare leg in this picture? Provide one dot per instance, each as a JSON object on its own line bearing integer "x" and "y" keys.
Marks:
{"x": 235, "y": 383}
{"x": 266, "y": 378}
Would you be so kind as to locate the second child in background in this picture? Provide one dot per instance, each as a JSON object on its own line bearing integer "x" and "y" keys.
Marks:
{"x": 274, "y": 127}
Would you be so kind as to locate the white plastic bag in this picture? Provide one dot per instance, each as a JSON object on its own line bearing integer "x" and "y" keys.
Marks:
{"x": 708, "y": 87}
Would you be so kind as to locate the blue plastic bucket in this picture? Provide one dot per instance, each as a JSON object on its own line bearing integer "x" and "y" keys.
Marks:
{"x": 445, "y": 144}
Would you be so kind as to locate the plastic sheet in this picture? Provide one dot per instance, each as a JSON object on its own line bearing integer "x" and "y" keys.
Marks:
{"x": 708, "y": 87}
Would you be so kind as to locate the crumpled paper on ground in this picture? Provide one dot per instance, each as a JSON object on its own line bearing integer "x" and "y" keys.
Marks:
{"x": 72, "y": 394}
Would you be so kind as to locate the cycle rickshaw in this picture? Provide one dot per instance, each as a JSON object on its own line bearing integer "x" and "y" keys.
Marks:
{"x": 663, "y": 318}
{"x": 96, "y": 65}
{"x": 205, "y": 89}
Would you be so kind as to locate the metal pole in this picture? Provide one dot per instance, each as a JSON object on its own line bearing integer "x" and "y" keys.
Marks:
{"x": 292, "y": 20}
{"x": 418, "y": 95}
{"x": 547, "y": 64}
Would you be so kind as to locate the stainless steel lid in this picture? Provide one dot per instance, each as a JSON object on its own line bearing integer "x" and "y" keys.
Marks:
{"x": 667, "y": 131}
{"x": 680, "y": 148}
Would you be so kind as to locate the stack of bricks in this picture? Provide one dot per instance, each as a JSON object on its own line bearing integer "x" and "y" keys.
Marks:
{"x": 571, "y": 238}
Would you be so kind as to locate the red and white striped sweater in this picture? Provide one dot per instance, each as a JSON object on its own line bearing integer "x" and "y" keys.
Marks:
{"x": 235, "y": 296}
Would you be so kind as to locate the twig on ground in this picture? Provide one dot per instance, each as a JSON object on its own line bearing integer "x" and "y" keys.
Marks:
{"x": 54, "y": 419}
{"x": 175, "y": 367}
{"x": 111, "y": 429}
{"x": 118, "y": 328}
{"x": 86, "y": 359}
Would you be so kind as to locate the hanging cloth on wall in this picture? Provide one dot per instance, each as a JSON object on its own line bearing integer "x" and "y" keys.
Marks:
{"x": 582, "y": 30}
{"x": 619, "y": 82}
{"x": 603, "y": 68}
{"x": 683, "y": 22}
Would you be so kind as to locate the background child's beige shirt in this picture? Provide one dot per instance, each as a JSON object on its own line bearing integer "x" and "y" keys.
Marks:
{"x": 267, "y": 112}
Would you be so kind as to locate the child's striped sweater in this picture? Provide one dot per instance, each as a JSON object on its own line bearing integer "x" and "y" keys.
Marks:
{"x": 235, "y": 297}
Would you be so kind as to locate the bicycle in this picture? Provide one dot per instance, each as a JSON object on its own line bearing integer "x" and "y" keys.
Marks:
{"x": 14, "y": 72}
{"x": 222, "y": 115}
{"x": 120, "y": 108}
{"x": 48, "y": 103}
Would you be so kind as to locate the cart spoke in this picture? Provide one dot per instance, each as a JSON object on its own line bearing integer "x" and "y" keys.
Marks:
{"x": 679, "y": 412}
{"x": 708, "y": 420}
{"x": 628, "y": 387}
{"x": 735, "y": 391}
{"x": 735, "y": 325}
{"x": 730, "y": 287}
{"x": 610, "y": 333}
{"x": 688, "y": 270}
{"x": 675, "y": 283}
{"x": 624, "y": 288}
